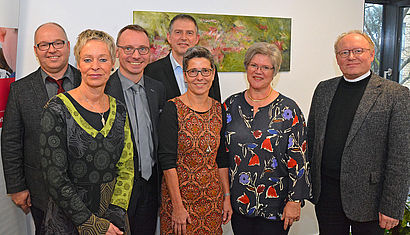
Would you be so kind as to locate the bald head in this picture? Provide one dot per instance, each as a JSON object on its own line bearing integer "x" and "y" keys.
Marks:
{"x": 53, "y": 59}
{"x": 49, "y": 26}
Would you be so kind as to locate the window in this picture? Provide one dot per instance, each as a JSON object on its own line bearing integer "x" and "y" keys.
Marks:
{"x": 404, "y": 77}
{"x": 373, "y": 22}
{"x": 387, "y": 22}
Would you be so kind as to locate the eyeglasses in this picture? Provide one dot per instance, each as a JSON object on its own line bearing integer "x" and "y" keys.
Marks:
{"x": 263, "y": 68}
{"x": 44, "y": 46}
{"x": 356, "y": 51}
{"x": 204, "y": 71}
{"x": 128, "y": 50}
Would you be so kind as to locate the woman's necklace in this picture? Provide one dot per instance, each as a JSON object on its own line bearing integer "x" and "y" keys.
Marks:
{"x": 258, "y": 100}
{"x": 101, "y": 114}
{"x": 208, "y": 149}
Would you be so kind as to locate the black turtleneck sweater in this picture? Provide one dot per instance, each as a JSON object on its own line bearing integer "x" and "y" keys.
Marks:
{"x": 340, "y": 118}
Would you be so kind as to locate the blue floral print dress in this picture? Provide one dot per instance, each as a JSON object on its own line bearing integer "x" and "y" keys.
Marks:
{"x": 267, "y": 152}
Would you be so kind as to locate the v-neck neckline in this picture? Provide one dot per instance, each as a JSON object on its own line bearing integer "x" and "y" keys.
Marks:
{"x": 84, "y": 124}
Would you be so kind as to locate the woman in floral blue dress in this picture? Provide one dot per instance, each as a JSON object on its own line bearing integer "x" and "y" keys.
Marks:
{"x": 266, "y": 141}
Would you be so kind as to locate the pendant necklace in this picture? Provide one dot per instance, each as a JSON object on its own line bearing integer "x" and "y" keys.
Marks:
{"x": 208, "y": 149}
{"x": 258, "y": 100}
{"x": 101, "y": 114}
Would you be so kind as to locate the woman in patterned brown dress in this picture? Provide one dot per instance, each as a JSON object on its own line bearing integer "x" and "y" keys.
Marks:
{"x": 195, "y": 189}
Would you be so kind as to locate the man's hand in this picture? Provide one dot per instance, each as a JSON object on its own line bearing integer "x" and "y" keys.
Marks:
{"x": 22, "y": 200}
{"x": 387, "y": 222}
{"x": 291, "y": 213}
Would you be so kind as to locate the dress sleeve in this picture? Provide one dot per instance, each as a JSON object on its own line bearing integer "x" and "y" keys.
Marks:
{"x": 299, "y": 187}
{"x": 54, "y": 162}
{"x": 222, "y": 158}
{"x": 168, "y": 136}
{"x": 125, "y": 166}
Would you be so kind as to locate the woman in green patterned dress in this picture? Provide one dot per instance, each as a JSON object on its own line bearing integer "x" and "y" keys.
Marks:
{"x": 86, "y": 148}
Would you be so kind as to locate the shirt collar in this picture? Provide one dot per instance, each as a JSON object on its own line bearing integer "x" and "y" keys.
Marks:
{"x": 127, "y": 84}
{"x": 359, "y": 78}
{"x": 68, "y": 74}
{"x": 174, "y": 62}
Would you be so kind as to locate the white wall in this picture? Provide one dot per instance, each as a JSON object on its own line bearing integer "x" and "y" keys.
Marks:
{"x": 315, "y": 26}
{"x": 12, "y": 219}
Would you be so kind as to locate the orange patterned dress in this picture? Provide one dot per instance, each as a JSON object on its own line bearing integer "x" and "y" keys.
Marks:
{"x": 199, "y": 182}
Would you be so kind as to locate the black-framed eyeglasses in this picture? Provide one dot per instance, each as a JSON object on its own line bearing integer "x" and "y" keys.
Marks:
{"x": 128, "y": 50}
{"x": 204, "y": 71}
{"x": 263, "y": 68}
{"x": 355, "y": 51}
{"x": 44, "y": 46}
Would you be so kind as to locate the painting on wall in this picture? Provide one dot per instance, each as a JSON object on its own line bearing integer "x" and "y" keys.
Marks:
{"x": 226, "y": 36}
{"x": 8, "y": 54}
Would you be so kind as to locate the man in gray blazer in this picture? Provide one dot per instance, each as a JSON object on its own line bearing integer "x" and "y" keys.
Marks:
{"x": 359, "y": 144}
{"x": 19, "y": 140}
{"x": 183, "y": 34}
{"x": 144, "y": 98}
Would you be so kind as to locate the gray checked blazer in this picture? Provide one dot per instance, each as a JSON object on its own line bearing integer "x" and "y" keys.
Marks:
{"x": 375, "y": 164}
{"x": 20, "y": 147}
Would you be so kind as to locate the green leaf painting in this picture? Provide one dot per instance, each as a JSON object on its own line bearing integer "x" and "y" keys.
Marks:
{"x": 226, "y": 36}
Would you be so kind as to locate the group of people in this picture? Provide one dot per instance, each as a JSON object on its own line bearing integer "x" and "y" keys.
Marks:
{"x": 89, "y": 151}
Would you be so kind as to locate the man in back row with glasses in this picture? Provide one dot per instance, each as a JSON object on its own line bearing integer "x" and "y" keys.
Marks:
{"x": 182, "y": 34}
{"x": 19, "y": 139}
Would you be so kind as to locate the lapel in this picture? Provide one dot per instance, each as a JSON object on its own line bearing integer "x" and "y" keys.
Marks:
{"x": 325, "y": 100}
{"x": 170, "y": 76}
{"x": 114, "y": 87}
{"x": 372, "y": 91}
{"x": 150, "y": 92}
{"x": 152, "y": 95}
{"x": 77, "y": 76}
{"x": 39, "y": 89}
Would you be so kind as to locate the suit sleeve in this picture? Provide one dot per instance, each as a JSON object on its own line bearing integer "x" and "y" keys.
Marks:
{"x": 311, "y": 127}
{"x": 397, "y": 170}
{"x": 12, "y": 150}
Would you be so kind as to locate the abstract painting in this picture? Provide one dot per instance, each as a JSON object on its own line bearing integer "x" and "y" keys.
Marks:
{"x": 226, "y": 36}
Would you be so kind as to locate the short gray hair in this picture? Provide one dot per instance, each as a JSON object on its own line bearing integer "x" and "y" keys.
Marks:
{"x": 197, "y": 52}
{"x": 359, "y": 32}
{"x": 182, "y": 17}
{"x": 264, "y": 48}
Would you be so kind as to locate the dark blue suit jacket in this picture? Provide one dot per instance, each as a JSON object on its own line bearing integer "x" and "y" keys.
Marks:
{"x": 156, "y": 98}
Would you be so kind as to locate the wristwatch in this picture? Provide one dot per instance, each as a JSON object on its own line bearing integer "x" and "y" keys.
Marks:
{"x": 302, "y": 202}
